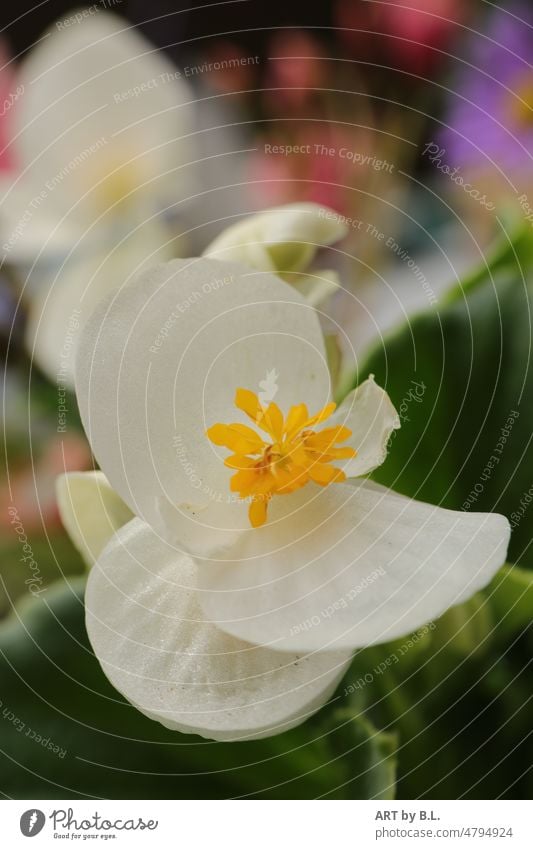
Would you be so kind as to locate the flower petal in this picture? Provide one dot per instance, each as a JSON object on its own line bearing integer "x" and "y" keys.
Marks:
{"x": 203, "y": 529}
{"x": 91, "y": 511}
{"x": 369, "y": 413}
{"x": 282, "y": 239}
{"x": 100, "y": 104}
{"x": 59, "y": 309}
{"x": 317, "y": 287}
{"x": 159, "y": 364}
{"x": 352, "y": 566}
{"x": 148, "y": 631}
{"x": 25, "y": 227}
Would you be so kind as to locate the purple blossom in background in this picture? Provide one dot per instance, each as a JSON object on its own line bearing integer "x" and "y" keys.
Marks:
{"x": 497, "y": 123}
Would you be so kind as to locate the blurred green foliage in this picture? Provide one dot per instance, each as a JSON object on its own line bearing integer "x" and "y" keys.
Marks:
{"x": 56, "y": 558}
{"x": 461, "y": 377}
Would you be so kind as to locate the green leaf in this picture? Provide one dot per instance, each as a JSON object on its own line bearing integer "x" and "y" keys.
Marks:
{"x": 462, "y": 381}
{"x": 466, "y": 628}
{"x": 457, "y": 699}
{"x": 512, "y": 253}
{"x": 511, "y": 598}
{"x": 462, "y": 721}
{"x": 53, "y": 557}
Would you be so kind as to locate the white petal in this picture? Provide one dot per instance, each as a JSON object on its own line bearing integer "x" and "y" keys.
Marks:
{"x": 148, "y": 631}
{"x": 97, "y": 95}
{"x": 317, "y": 287}
{"x": 91, "y": 511}
{"x": 282, "y": 239}
{"x": 203, "y": 529}
{"x": 160, "y": 362}
{"x": 61, "y": 304}
{"x": 352, "y": 566}
{"x": 370, "y": 414}
{"x": 26, "y": 228}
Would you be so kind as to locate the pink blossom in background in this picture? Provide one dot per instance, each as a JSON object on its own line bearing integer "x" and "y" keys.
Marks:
{"x": 422, "y": 30}
{"x": 295, "y": 68}
{"x": 32, "y": 487}
{"x": 310, "y": 176}
{"x": 408, "y": 33}
{"x": 8, "y": 96}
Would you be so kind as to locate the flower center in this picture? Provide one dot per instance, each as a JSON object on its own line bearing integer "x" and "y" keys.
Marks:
{"x": 115, "y": 175}
{"x": 294, "y": 453}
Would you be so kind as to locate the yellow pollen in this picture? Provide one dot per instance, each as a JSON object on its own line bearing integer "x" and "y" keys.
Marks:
{"x": 292, "y": 455}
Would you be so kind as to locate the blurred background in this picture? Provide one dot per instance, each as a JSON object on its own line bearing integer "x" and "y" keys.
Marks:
{"x": 131, "y": 132}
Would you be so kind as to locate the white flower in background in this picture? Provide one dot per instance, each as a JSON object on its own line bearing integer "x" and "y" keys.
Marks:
{"x": 285, "y": 240}
{"x": 96, "y": 514}
{"x": 100, "y": 137}
{"x": 231, "y": 606}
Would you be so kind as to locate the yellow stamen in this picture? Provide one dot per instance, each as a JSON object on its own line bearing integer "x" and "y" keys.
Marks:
{"x": 293, "y": 454}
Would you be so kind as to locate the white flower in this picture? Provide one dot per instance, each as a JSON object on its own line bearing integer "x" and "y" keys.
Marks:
{"x": 91, "y": 511}
{"x": 100, "y": 137}
{"x": 202, "y": 621}
{"x": 285, "y": 240}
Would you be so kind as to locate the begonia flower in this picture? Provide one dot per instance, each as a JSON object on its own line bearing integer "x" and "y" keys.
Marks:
{"x": 231, "y": 607}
